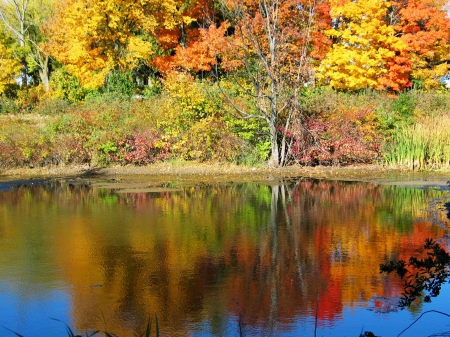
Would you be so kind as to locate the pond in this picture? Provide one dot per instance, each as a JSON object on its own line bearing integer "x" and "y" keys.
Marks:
{"x": 280, "y": 258}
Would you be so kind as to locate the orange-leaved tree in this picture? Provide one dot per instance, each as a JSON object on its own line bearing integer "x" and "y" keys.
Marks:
{"x": 365, "y": 49}
{"x": 424, "y": 27}
{"x": 186, "y": 46}
{"x": 92, "y": 38}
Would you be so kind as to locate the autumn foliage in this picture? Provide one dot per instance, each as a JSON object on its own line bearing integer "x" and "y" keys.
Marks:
{"x": 425, "y": 29}
{"x": 224, "y": 72}
{"x": 9, "y": 66}
{"x": 385, "y": 45}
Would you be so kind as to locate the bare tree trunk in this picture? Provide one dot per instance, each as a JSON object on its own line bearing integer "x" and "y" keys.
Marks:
{"x": 14, "y": 20}
{"x": 275, "y": 153}
{"x": 274, "y": 62}
{"x": 43, "y": 61}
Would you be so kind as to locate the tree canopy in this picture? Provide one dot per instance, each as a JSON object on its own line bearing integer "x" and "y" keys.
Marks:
{"x": 385, "y": 45}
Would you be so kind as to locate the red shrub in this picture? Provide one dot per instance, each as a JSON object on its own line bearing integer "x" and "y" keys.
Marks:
{"x": 11, "y": 155}
{"x": 142, "y": 148}
{"x": 342, "y": 137}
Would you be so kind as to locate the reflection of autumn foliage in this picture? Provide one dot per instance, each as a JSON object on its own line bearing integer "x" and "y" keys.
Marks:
{"x": 188, "y": 254}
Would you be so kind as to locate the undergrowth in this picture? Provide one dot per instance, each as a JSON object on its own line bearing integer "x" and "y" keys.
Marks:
{"x": 185, "y": 120}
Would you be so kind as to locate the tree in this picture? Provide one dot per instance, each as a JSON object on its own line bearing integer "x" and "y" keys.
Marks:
{"x": 24, "y": 19}
{"x": 267, "y": 53}
{"x": 186, "y": 45}
{"x": 9, "y": 65}
{"x": 365, "y": 48}
{"x": 13, "y": 17}
{"x": 424, "y": 27}
{"x": 91, "y": 39}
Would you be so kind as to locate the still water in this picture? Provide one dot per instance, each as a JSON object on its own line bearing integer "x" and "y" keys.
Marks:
{"x": 222, "y": 259}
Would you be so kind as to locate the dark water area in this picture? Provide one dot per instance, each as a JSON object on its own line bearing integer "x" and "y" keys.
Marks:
{"x": 272, "y": 259}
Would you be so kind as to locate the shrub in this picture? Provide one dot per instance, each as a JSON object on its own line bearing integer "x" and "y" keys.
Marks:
{"x": 66, "y": 86}
{"x": 208, "y": 139}
{"x": 153, "y": 89}
{"x": 10, "y": 154}
{"x": 345, "y": 136}
{"x": 24, "y": 140}
{"x": 51, "y": 106}
{"x": 28, "y": 98}
{"x": 120, "y": 83}
{"x": 142, "y": 148}
{"x": 254, "y": 137}
{"x": 8, "y": 105}
{"x": 404, "y": 105}
{"x": 70, "y": 149}
{"x": 183, "y": 103}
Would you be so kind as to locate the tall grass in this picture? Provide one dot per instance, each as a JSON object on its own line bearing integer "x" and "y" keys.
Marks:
{"x": 421, "y": 146}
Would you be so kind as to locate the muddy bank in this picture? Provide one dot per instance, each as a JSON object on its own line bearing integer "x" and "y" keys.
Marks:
{"x": 207, "y": 173}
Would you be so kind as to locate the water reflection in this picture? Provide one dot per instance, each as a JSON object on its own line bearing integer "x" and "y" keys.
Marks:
{"x": 204, "y": 258}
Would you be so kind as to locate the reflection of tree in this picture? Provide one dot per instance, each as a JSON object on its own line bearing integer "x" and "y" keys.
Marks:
{"x": 186, "y": 255}
{"x": 422, "y": 274}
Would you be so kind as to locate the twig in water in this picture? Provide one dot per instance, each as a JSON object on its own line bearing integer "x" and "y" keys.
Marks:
{"x": 239, "y": 321}
{"x": 18, "y": 335}
{"x": 317, "y": 313}
{"x": 426, "y": 312}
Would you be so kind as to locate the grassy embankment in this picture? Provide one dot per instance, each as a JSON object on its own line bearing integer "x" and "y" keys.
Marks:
{"x": 410, "y": 131}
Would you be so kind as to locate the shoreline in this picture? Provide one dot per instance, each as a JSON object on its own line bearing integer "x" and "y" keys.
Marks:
{"x": 164, "y": 177}
{"x": 216, "y": 172}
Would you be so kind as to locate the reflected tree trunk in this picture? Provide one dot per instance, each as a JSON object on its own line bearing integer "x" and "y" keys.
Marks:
{"x": 274, "y": 283}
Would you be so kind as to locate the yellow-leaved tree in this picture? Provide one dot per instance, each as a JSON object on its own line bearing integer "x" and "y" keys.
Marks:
{"x": 364, "y": 45}
{"x": 91, "y": 38}
{"x": 9, "y": 65}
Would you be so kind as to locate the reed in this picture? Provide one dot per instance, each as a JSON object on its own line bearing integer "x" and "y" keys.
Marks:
{"x": 421, "y": 146}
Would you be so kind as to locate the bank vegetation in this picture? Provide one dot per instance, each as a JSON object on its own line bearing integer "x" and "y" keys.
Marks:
{"x": 185, "y": 121}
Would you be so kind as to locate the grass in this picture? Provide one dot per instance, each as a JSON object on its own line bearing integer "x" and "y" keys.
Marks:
{"x": 424, "y": 145}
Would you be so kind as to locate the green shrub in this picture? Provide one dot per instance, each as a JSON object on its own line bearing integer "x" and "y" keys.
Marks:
{"x": 255, "y": 144}
{"x": 154, "y": 88}
{"x": 64, "y": 85}
{"x": 404, "y": 105}
{"x": 8, "y": 105}
{"x": 120, "y": 83}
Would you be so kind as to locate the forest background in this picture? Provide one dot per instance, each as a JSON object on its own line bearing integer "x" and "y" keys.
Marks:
{"x": 251, "y": 82}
